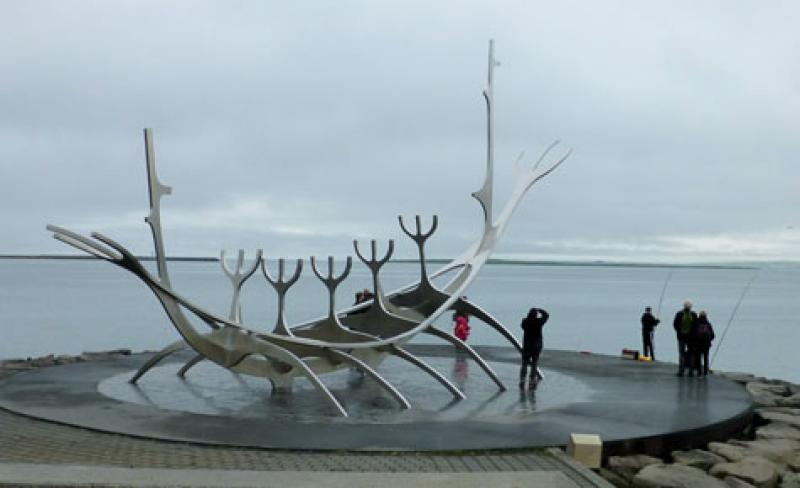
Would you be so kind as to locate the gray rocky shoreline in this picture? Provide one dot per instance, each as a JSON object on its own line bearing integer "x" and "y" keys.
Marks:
{"x": 765, "y": 455}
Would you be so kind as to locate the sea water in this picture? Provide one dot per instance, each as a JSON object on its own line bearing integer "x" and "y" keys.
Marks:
{"x": 69, "y": 306}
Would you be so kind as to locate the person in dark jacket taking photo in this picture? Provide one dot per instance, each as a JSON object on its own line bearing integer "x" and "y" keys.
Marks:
{"x": 532, "y": 346}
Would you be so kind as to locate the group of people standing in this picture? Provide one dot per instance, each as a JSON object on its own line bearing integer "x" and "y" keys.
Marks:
{"x": 694, "y": 335}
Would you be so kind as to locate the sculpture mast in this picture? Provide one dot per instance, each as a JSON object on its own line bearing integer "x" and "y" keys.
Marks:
{"x": 156, "y": 190}
{"x": 484, "y": 195}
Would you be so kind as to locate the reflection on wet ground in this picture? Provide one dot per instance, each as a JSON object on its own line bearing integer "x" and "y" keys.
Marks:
{"x": 211, "y": 390}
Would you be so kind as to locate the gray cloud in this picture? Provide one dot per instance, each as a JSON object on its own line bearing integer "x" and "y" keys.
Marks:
{"x": 298, "y": 127}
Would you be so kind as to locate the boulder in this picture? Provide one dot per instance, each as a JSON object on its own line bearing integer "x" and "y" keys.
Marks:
{"x": 675, "y": 476}
{"x": 627, "y": 466}
{"x": 728, "y": 451}
{"x": 786, "y": 418}
{"x": 790, "y": 480}
{"x": 753, "y": 469}
{"x": 741, "y": 378}
{"x": 697, "y": 458}
{"x": 734, "y": 482}
{"x": 787, "y": 410}
{"x": 790, "y": 401}
{"x": 793, "y": 462}
{"x": 779, "y": 451}
{"x": 614, "y": 478}
{"x": 778, "y": 430}
{"x": 767, "y": 394}
{"x": 774, "y": 388}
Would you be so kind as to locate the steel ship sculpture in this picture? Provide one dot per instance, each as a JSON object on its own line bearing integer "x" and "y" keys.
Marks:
{"x": 358, "y": 337}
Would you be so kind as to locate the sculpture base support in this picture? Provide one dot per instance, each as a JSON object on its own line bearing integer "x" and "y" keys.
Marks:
{"x": 633, "y": 406}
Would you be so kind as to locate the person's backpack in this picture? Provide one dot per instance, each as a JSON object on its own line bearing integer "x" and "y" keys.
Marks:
{"x": 706, "y": 332}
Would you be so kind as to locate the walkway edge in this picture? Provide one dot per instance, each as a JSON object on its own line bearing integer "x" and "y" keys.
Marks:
{"x": 579, "y": 468}
{"x": 73, "y": 476}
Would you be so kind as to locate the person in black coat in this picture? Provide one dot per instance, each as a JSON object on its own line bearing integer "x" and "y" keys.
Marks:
{"x": 684, "y": 325}
{"x": 649, "y": 323}
{"x": 532, "y": 345}
{"x": 703, "y": 336}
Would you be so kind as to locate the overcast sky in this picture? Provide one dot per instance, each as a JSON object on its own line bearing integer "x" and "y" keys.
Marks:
{"x": 298, "y": 126}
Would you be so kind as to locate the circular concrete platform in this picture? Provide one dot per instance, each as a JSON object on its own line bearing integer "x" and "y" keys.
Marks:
{"x": 631, "y": 405}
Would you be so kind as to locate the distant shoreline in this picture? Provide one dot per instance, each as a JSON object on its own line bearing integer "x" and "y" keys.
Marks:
{"x": 497, "y": 261}
{"x": 91, "y": 258}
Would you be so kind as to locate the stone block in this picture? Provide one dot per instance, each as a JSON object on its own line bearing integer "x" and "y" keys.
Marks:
{"x": 587, "y": 449}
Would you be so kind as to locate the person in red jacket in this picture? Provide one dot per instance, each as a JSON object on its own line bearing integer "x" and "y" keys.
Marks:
{"x": 462, "y": 326}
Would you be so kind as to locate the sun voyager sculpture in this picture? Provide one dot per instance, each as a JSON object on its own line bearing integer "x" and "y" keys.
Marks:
{"x": 341, "y": 339}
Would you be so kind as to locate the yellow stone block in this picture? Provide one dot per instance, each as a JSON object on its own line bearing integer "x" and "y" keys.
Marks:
{"x": 587, "y": 449}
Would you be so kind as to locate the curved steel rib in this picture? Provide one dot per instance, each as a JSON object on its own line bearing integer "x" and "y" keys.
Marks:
{"x": 364, "y": 367}
{"x": 476, "y": 311}
{"x": 403, "y": 354}
{"x": 190, "y": 364}
{"x": 467, "y": 349}
{"x": 157, "y": 358}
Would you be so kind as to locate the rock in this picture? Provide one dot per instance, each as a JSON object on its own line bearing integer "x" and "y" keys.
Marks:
{"x": 790, "y": 480}
{"x": 741, "y": 378}
{"x": 93, "y": 355}
{"x": 728, "y": 451}
{"x": 786, "y": 418}
{"x": 17, "y": 366}
{"x": 778, "y": 430}
{"x": 43, "y": 361}
{"x": 765, "y": 394}
{"x": 675, "y": 476}
{"x": 779, "y": 451}
{"x": 774, "y": 388}
{"x": 627, "y": 466}
{"x": 613, "y": 478}
{"x": 697, "y": 458}
{"x": 735, "y": 482}
{"x": 752, "y": 469}
{"x": 793, "y": 462}
{"x": 790, "y": 401}
{"x": 787, "y": 410}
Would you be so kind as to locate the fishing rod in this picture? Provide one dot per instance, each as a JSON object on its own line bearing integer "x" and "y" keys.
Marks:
{"x": 663, "y": 291}
{"x": 733, "y": 314}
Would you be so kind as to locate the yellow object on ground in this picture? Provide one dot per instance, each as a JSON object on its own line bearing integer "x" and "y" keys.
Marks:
{"x": 587, "y": 449}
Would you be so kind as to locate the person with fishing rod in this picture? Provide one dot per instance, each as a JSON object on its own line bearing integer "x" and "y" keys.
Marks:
{"x": 684, "y": 325}
{"x": 649, "y": 323}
